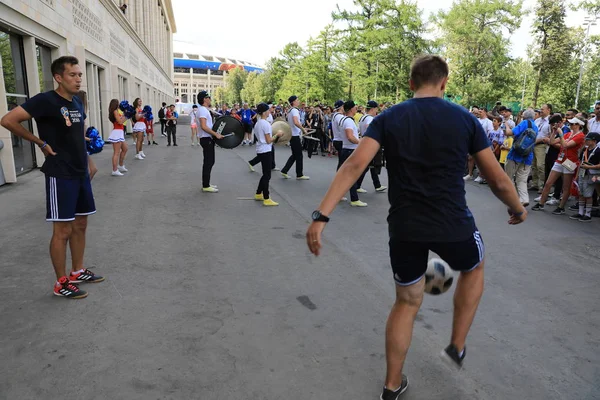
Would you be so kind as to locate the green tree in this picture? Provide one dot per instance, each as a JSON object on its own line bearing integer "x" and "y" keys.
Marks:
{"x": 551, "y": 54}
{"x": 473, "y": 38}
{"x": 234, "y": 83}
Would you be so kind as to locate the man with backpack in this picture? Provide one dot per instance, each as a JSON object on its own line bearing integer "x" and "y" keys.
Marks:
{"x": 520, "y": 157}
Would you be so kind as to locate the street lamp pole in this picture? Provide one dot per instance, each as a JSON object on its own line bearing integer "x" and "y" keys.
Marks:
{"x": 589, "y": 21}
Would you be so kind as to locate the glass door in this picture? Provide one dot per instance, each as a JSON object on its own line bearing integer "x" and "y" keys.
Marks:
{"x": 15, "y": 84}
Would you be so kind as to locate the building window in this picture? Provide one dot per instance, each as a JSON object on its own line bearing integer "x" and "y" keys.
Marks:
{"x": 44, "y": 60}
{"x": 176, "y": 92}
{"x": 184, "y": 85}
{"x": 201, "y": 71}
{"x": 182, "y": 70}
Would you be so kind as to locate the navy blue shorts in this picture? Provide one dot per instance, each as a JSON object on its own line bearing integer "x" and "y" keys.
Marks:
{"x": 409, "y": 259}
{"x": 66, "y": 198}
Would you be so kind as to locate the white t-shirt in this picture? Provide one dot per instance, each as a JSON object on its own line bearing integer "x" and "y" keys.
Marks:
{"x": 486, "y": 124}
{"x": 594, "y": 125}
{"x": 204, "y": 113}
{"x": 335, "y": 126}
{"x": 364, "y": 123}
{"x": 294, "y": 113}
{"x": 270, "y": 118}
{"x": 262, "y": 128}
{"x": 348, "y": 123}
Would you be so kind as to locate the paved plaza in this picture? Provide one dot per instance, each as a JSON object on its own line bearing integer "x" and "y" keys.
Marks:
{"x": 213, "y": 296}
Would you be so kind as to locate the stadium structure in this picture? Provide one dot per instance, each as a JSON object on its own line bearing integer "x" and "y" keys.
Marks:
{"x": 195, "y": 71}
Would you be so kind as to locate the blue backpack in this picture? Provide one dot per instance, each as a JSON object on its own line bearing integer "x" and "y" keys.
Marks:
{"x": 524, "y": 144}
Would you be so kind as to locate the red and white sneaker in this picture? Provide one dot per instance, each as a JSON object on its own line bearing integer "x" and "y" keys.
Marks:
{"x": 84, "y": 276}
{"x": 64, "y": 288}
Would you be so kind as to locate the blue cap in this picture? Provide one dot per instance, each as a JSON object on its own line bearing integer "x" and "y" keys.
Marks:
{"x": 292, "y": 99}
{"x": 338, "y": 104}
{"x": 372, "y": 104}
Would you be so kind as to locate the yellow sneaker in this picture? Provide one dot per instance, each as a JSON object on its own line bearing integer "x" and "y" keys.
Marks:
{"x": 286, "y": 176}
{"x": 259, "y": 197}
{"x": 303, "y": 178}
{"x": 361, "y": 190}
{"x": 358, "y": 203}
{"x": 269, "y": 202}
{"x": 210, "y": 189}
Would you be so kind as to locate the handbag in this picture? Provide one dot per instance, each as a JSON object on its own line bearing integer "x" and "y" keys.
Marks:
{"x": 569, "y": 165}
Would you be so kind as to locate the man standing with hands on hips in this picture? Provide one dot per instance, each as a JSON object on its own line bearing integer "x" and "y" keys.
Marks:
{"x": 60, "y": 116}
{"x": 422, "y": 152}
{"x": 296, "y": 157}
{"x": 207, "y": 136}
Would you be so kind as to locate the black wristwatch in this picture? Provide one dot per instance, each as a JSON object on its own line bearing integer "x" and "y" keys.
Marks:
{"x": 317, "y": 216}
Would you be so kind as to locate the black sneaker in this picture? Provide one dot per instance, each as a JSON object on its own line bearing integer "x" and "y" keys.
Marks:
{"x": 389, "y": 395}
{"x": 574, "y": 207}
{"x": 538, "y": 207}
{"x": 64, "y": 288}
{"x": 149, "y": 144}
{"x": 85, "y": 276}
{"x": 576, "y": 216}
{"x": 175, "y": 144}
{"x": 154, "y": 143}
{"x": 585, "y": 218}
{"x": 558, "y": 211}
{"x": 168, "y": 144}
{"x": 451, "y": 356}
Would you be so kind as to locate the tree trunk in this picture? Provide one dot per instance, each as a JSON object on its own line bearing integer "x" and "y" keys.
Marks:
{"x": 536, "y": 90}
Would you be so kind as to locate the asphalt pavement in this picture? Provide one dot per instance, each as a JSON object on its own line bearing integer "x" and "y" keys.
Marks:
{"x": 213, "y": 296}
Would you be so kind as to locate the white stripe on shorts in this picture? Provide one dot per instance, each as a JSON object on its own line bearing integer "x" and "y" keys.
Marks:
{"x": 53, "y": 199}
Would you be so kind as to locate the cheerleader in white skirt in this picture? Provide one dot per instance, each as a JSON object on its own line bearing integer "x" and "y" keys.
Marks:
{"x": 139, "y": 129}
{"x": 117, "y": 138}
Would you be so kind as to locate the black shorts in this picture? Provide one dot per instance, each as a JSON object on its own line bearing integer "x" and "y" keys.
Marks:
{"x": 409, "y": 259}
{"x": 248, "y": 127}
{"x": 67, "y": 198}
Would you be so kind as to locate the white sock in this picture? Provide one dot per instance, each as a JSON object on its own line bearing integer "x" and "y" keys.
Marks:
{"x": 75, "y": 272}
{"x": 394, "y": 390}
{"x": 461, "y": 353}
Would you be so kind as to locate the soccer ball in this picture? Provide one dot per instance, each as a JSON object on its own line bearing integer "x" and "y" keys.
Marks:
{"x": 438, "y": 277}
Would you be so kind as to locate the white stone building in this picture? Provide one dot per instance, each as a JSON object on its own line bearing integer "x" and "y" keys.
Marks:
{"x": 124, "y": 47}
{"x": 195, "y": 71}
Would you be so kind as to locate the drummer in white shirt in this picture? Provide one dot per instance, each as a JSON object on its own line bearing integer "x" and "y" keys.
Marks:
{"x": 256, "y": 160}
{"x": 264, "y": 138}
{"x": 205, "y": 124}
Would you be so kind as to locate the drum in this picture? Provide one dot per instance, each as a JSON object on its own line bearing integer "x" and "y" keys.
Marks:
{"x": 280, "y": 126}
{"x": 231, "y": 129}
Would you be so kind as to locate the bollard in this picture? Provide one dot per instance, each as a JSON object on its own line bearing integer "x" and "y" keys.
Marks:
{"x": 2, "y": 179}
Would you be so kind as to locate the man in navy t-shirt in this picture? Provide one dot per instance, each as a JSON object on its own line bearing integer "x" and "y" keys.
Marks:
{"x": 428, "y": 210}
{"x": 60, "y": 116}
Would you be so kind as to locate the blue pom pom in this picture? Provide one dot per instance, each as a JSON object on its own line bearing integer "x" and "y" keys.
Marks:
{"x": 127, "y": 109}
{"x": 96, "y": 144}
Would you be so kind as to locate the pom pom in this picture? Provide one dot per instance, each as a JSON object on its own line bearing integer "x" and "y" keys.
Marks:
{"x": 148, "y": 113}
{"x": 96, "y": 144}
{"x": 127, "y": 109}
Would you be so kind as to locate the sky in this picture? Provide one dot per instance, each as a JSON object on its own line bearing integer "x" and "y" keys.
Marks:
{"x": 237, "y": 29}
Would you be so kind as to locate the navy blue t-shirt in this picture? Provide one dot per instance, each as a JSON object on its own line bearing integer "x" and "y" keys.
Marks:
{"x": 60, "y": 123}
{"x": 426, "y": 142}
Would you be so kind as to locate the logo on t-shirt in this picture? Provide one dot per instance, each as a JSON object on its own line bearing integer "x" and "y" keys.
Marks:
{"x": 65, "y": 113}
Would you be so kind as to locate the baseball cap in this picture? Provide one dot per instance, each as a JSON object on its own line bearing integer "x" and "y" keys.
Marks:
{"x": 338, "y": 104}
{"x": 262, "y": 107}
{"x": 372, "y": 104}
{"x": 576, "y": 121}
{"x": 593, "y": 136}
{"x": 292, "y": 99}
{"x": 202, "y": 95}
{"x": 349, "y": 105}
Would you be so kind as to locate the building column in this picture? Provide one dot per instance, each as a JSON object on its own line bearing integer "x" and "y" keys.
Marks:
{"x": 33, "y": 84}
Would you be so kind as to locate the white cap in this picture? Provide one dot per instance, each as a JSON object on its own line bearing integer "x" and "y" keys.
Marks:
{"x": 576, "y": 121}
